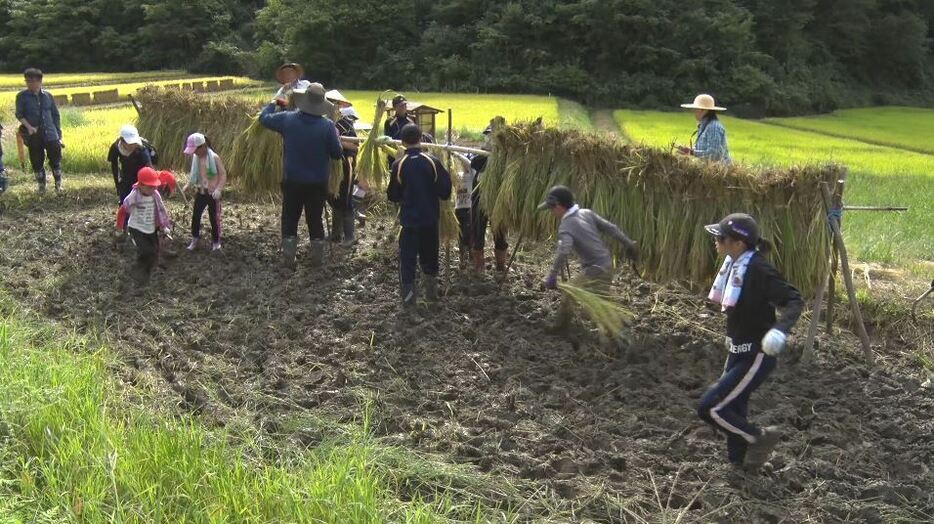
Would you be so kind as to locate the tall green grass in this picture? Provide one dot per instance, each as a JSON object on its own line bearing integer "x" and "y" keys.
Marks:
{"x": 909, "y": 128}
{"x": 76, "y": 446}
{"x": 878, "y": 176}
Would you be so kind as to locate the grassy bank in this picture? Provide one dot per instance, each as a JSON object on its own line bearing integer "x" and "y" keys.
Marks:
{"x": 78, "y": 446}
{"x": 878, "y": 176}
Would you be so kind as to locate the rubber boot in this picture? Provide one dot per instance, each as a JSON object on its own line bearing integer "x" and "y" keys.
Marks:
{"x": 317, "y": 253}
{"x": 350, "y": 236}
{"x": 336, "y": 225}
{"x": 478, "y": 262}
{"x": 40, "y": 179}
{"x": 464, "y": 256}
{"x": 408, "y": 294}
{"x": 760, "y": 451}
{"x": 289, "y": 248}
{"x": 431, "y": 288}
{"x": 57, "y": 175}
{"x": 501, "y": 259}
{"x": 3, "y": 182}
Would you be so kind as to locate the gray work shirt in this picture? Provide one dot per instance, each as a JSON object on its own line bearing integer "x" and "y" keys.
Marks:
{"x": 41, "y": 112}
{"x": 580, "y": 232}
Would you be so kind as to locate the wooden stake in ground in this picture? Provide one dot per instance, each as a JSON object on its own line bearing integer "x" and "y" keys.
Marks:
{"x": 847, "y": 277}
{"x": 831, "y": 289}
{"x": 808, "y": 353}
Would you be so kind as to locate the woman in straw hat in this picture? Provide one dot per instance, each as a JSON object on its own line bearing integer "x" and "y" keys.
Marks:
{"x": 710, "y": 143}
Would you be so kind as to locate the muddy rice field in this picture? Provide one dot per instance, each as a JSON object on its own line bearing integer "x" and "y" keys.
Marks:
{"x": 475, "y": 379}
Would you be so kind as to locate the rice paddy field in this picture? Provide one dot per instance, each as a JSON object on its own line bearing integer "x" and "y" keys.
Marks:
{"x": 879, "y": 175}
{"x": 15, "y": 81}
{"x": 471, "y": 112}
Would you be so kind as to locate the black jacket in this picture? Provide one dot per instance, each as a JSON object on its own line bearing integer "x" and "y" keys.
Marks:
{"x": 764, "y": 289}
{"x": 125, "y": 168}
{"x": 393, "y": 126}
{"x": 418, "y": 182}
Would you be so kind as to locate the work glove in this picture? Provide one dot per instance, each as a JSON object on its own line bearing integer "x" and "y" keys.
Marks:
{"x": 167, "y": 231}
{"x": 384, "y": 140}
{"x": 551, "y": 282}
{"x": 773, "y": 343}
{"x": 216, "y": 194}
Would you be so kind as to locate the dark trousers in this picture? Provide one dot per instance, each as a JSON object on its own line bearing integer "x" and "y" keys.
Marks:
{"x": 464, "y": 221}
{"x": 38, "y": 149}
{"x": 147, "y": 251}
{"x": 202, "y": 201}
{"x": 308, "y": 197}
{"x": 418, "y": 246}
{"x": 479, "y": 222}
{"x": 725, "y": 405}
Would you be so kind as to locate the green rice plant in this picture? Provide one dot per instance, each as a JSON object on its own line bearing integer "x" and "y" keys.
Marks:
{"x": 659, "y": 199}
{"x": 605, "y": 311}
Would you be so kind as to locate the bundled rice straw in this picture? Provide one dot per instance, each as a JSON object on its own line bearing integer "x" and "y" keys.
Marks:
{"x": 659, "y": 199}
{"x": 255, "y": 160}
{"x": 168, "y": 116}
{"x": 449, "y": 228}
{"x": 609, "y": 316}
{"x": 372, "y": 158}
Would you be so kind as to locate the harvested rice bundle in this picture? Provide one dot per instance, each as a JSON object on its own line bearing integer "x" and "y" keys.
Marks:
{"x": 607, "y": 314}
{"x": 658, "y": 198}
{"x": 449, "y": 228}
{"x": 372, "y": 161}
{"x": 255, "y": 160}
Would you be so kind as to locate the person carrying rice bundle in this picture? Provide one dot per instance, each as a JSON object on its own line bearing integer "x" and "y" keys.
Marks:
{"x": 479, "y": 217}
{"x": 748, "y": 289}
{"x": 580, "y": 232}
{"x": 342, "y": 203}
{"x": 290, "y": 79}
{"x": 309, "y": 142}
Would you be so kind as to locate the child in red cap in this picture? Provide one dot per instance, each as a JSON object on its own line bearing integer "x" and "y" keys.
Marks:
{"x": 147, "y": 216}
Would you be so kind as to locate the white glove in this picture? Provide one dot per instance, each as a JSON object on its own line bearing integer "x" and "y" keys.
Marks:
{"x": 216, "y": 194}
{"x": 773, "y": 343}
{"x": 384, "y": 140}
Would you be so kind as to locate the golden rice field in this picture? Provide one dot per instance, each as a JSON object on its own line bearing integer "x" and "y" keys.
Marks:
{"x": 15, "y": 81}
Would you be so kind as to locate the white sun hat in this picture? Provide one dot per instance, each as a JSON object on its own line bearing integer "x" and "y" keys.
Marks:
{"x": 705, "y": 102}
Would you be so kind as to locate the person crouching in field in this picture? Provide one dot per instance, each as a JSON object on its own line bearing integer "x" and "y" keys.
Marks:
{"x": 418, "y": 182}
{"x": 208, "y": 177}
{"x": 144, "y": 214}
{"x": 580, "y": 232}
{"x": 748, "y": 289}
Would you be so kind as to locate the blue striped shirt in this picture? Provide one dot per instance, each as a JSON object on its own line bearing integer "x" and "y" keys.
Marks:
{"x": 711, "y": 142}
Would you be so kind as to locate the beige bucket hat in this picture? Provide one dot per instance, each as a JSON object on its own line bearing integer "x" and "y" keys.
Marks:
{"x": 705, "y": 102}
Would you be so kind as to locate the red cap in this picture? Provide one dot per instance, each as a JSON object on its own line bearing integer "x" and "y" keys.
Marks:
{"x": 166, "y": 178}
{"x": 148, "y": 176}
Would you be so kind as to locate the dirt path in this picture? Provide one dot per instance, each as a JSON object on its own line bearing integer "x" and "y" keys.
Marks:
{"x": 603, "y": 121}
{"x": 476, "y": 378}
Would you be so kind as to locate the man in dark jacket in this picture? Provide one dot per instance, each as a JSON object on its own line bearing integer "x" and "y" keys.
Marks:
{"x": 310, "y": 141}
{"x": 418, "y": 182}
{"x": 41, "y": 128}
{"x": 393, "y": 126}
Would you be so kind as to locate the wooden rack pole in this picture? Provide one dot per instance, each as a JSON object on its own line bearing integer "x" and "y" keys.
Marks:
{"x": 847, "y": 277}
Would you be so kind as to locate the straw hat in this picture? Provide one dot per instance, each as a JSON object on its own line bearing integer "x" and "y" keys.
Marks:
{"x": 704, "y": 102}
{"x": 335, "y": 96}
{"x": 312, "y": 100}
{"x": 299, "y": 70}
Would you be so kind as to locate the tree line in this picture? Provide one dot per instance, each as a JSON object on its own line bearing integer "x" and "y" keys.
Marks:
{"x": 757, "y": 56}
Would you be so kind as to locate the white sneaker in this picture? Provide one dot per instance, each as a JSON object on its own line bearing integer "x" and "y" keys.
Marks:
{"x": 216, "y": 246}
{"x": 192, "y": 245}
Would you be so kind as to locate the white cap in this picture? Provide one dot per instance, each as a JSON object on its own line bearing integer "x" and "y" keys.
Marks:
{"x": 130, "y": 135}
{"x": 350, "y": 113}
{"x": 195, "y": 140}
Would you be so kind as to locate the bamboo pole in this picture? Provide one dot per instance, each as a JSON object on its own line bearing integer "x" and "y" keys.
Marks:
{"x": 832, "y": 283}
{"x": 874, "y": 208}
{"x": 446, "y": 147}
{"x": 847, "y": 277}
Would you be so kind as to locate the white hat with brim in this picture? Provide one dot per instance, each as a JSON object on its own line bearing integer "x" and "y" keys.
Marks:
{"x": 705, "y": 102}
{"x": 350, "y": 112}
{"x": 312, "y": 100}
{"x": 130, "y": 135}
{"x": 335, "y": 96}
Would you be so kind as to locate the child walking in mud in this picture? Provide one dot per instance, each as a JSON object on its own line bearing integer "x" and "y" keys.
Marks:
{"x": 748, "y": 289}
{"x": 147, "y": 216}
{"x": 208, "y": 177}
